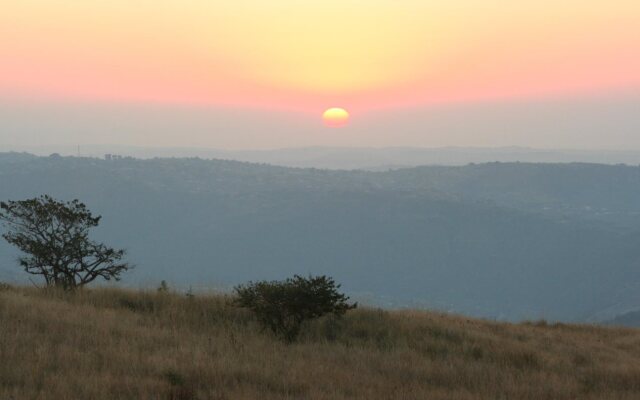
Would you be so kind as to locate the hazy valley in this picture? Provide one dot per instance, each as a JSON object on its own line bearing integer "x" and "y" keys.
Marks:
{"x": 501, "y": 240}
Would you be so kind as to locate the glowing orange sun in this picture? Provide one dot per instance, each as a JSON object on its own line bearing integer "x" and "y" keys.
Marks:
{"x": 335, "y": 117}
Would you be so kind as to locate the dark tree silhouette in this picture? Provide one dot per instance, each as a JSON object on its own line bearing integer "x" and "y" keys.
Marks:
{"x": 283, "y": 306}
{"x": 54, "y": 236}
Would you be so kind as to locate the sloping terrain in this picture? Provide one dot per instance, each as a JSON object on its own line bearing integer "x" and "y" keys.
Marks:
{"x": 114, "y": 344}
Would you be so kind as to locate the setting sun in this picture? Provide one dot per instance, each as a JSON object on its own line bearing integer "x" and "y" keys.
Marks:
{"x": 335, "y": 117}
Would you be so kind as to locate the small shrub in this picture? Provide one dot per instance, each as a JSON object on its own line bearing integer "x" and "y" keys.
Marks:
{"x": 164, "y": 287}
{"x": 283, "y": 306}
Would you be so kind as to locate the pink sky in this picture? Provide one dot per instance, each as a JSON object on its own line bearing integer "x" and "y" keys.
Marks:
{"x": 259, "y": 74}
{"x": 308, "y": 56}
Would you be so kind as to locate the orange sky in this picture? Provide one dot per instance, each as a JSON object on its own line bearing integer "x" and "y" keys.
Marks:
{"x": 309, "y": 55}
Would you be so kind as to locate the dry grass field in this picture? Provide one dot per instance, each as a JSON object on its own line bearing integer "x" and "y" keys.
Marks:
{"x": 117, "y": 344}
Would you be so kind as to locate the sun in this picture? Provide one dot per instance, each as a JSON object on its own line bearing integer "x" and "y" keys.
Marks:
{"x": 335, "y": 117}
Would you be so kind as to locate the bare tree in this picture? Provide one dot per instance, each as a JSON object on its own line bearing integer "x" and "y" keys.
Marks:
{"x": 54, "y": 236}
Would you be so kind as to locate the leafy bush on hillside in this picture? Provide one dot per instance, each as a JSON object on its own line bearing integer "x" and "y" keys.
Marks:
{"x": 283, "y": 306}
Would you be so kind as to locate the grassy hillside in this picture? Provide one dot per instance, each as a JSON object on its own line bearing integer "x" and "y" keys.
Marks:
{"x": 114, "y": 344}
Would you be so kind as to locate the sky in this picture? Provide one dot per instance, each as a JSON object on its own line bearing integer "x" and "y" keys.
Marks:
{"x": 259, "y": 74}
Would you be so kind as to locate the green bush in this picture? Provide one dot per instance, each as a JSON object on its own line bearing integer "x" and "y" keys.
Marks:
{"x": 283, "y": 306}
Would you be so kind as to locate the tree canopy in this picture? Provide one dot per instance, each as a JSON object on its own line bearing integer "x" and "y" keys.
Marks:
{"x": 54, "y": 237}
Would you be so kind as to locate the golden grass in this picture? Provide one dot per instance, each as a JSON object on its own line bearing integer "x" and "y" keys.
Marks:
{"x": 116, "y": 344}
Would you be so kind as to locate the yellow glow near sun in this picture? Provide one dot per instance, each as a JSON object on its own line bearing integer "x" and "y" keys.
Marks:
{"x": 335, "y": 117}
{"x": 303, "y": 54}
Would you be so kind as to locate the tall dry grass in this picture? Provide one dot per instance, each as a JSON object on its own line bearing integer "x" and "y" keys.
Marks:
{"x": 116, "y": 344}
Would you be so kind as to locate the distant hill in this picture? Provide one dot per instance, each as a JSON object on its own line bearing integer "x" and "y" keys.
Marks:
{"x": 367, "y": 158}
{"x": 502, "y": 240}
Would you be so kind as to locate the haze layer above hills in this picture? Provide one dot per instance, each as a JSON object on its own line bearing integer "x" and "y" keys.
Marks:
{"x": 501, "y": 240}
